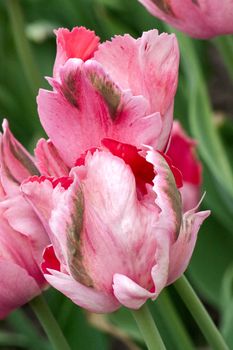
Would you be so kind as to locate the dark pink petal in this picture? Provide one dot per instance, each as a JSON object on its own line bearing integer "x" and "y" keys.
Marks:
{"x": 50, "y": 260}
{"x": 182, "y": 151}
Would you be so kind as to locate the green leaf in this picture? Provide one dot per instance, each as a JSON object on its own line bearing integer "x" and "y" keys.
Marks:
{"x": 211, "y": 258}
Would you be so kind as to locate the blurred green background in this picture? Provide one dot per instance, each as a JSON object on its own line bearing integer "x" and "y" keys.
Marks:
{"x": 203, "y": 104}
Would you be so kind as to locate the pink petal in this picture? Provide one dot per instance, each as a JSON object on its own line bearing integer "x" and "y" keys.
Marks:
{"x": 17, "y": 287}
{"x": 81, "y": 295}
{"x": 168, "y": 197}
{"x": 16, "y": 248}
{"x": 88, "y": 106}
{"x": 199, "y": 18}
{"x": 160, "y": 270}
{"x": 115, "y": 221}
{"x": 147, "y": 66}
{"x": 49, "y": 161}
{"x": 129, "y": 293}
{"x": 16, "y": 162}
{"x": 23, "y": 219}
{"x": 77, "y": 43}
{"x": 182, "y": 249}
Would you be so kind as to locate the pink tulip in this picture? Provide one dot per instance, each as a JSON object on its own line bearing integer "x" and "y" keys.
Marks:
{"x": 22, "y": 236}
{"x": 116, "y": 226}
{"x": 198, "y": 18}
{"x": 182, "y": 151}
{"x": 115, "y": 89}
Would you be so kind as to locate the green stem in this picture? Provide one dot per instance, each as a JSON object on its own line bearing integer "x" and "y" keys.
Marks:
{"x": 225, "y": 47}
{"x": 148, "y": 328}
{"x": 22, "y": 45}
{"x": 173, "y": 322}
{"x": 200, "y": 314}
{"x": 49, "y": 323}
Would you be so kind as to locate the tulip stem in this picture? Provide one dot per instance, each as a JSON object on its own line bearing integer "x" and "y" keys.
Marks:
{"x": 173, "y": 322}
{"x": 49, "y": 323}
{"x": 200, "y": 314}
{"x": 148, "y": 328}
{"x": 225, "y": 46}
{"x": 22, "y": 45}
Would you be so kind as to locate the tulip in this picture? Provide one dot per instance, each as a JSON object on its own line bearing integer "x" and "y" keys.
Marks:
{"x": 198, "y": 18}
{"x": 22, "y": 236}
{"x": 115, "y": 89}
{"x": 116, "y": 226}
{"x": 182, "y": 151}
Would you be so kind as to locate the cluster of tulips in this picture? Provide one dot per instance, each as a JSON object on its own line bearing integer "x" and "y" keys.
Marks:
{"x": 106, "y": 210}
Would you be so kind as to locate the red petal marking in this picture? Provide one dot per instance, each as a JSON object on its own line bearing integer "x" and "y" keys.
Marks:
{"x": 143, "y": 171}
{"x": 65, "y": 181}
{"x": 50, "y": 260}
{"x": 175, "y": 171}
{"x": 81, "y": 160}
{"x": 182, "y": 153}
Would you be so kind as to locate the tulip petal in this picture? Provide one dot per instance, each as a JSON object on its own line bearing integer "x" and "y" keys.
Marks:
{"x": 81, "y": 295}
{"x": 49, "y": 161}
{"x": 181, "y": 251}
{"x": 147, "y": 66}
{"x": 129, "y": 293}
{"x": 43, "y": 197}
{"x": 115, "y": 221}
{"x": 77, "y": 43}
{"x": 17, "y": 287}
{"x": 16, "y": 162}
{"x": 199, "y": 18}
{"x": 23, "y": 219}
{"x": 88, "y": 106}
{"x": 168, "y": 197}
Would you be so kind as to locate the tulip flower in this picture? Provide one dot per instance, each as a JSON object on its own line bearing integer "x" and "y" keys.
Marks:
{"x": 198, "y": 18}
{"x": 22, "y": 236}
{"x": 116, "y": 226}
{"x": 115, "y": 89}
{"x": 182, "y": 151}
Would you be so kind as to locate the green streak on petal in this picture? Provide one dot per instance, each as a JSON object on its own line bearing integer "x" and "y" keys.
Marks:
{"x": 75, "y": 258}
{"x": 23, "y": 159}
{"x": 109, "y": 92}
